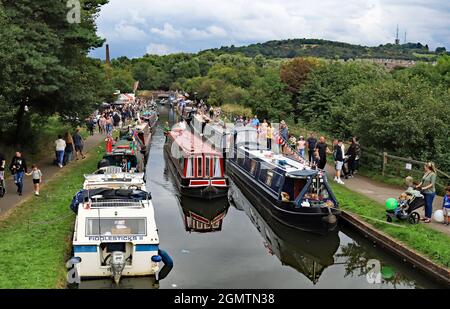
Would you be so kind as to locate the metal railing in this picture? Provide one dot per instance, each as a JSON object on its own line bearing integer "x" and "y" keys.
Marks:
{"x": 116, "y": 204}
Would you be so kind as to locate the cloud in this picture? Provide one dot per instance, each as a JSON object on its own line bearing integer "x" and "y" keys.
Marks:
{"x": 199, "y": 24}
{"x": 159, "y": 49}
{"x": 168, "y": 31}
{"x": 126, "y": 32}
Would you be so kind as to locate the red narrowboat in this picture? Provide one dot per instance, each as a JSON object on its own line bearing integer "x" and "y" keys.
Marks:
{"x": 198, "y": 168}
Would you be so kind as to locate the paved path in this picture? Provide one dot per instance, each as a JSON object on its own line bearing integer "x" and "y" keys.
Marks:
{"x": 381, "y": 192}
{"x": 12, "y": 199}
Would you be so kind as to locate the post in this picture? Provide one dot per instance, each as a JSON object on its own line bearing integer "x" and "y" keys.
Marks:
{"x": 383, "y": 167}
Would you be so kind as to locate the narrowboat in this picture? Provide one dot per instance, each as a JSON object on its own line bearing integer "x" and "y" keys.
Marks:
{"x": 140, "y": 137}
{"x": 217, "y": 134}
{"x": 203, "y": 216}
{"x": 151, "y": 118}
{"x": 308, "y": 253}
{"x": 116, "y": 236}
{"x": 292, "y": 191}
{"x": 199, "y": 169}
{"x": 124, "y": 155}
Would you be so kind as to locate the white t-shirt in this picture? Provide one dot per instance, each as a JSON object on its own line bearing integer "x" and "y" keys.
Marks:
{"x": 60, "y": 145}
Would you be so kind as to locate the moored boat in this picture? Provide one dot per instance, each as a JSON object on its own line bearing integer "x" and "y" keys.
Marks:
{"x": 199, "y": 169}
{"x": 292, "y": 191}
{"x": 308, "y": 253}
{"x": 116, "y": 236}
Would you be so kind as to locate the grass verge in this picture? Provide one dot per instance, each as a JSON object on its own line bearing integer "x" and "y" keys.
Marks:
{"x": 431, "y": 243}
{"x": 36, "y": 235}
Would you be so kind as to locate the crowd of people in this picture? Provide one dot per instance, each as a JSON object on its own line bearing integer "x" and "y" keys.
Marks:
{"x": 69, "y": 146}
{"x": 311, "y": 149}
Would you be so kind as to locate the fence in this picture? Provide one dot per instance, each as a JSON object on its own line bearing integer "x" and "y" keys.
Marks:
{"x": 395, "y": 166}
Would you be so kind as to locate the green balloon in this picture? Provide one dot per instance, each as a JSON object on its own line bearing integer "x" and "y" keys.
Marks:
{"x": 387, "y": 272}
{"x": 391, "y": 204}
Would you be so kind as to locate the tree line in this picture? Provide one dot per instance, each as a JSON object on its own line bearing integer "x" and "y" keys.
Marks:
{"x": 405, "y": 111}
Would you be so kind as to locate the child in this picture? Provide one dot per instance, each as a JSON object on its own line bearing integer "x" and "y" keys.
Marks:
{"x": 402, "y": 205}
{"x": 446, "y": 205}
{"x": 37, "y": 178}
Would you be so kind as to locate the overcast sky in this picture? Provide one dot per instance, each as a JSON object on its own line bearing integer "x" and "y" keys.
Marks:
{"x": 135, "y": 27}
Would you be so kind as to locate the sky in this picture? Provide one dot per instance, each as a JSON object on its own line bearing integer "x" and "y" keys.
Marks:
{"x": 133, "y": 28}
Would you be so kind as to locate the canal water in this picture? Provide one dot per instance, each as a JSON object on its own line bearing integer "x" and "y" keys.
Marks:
{"x": 238, "y": 245}
{"x": 222, "y": 244}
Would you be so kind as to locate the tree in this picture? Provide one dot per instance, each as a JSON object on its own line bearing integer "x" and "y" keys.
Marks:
{"x": 294, "y": 74}
{"x": 46, "y": 57}
{"x": 268, "y": 97}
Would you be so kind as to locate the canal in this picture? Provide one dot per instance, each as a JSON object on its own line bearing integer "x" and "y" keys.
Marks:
{"x": 238, "y": 245}
{"x": 232, "y": 245}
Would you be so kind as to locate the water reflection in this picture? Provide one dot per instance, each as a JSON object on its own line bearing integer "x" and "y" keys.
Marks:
{"x": 308, "y": 253}
{"x": 203, "y": 216}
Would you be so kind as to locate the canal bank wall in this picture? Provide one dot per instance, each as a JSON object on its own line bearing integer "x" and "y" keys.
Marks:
{"x": 392, "y": 245}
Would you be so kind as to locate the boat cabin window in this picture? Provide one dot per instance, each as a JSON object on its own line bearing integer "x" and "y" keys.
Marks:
{"x": 199, "y": 167}
{"x": 116, "y": 226}
{"x": 118, "y": 160}
{"x": 208, "y": 166}
{"x": 253, "y": 166}
{"x": 190, "y": 167}
{"x": 293, "y": 187}
{"x": 318, "y": 192}
{"x": 269, "y": 179}
{"x": 217, "y": 167}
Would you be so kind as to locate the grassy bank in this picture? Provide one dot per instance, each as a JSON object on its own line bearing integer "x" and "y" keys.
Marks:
{"x": 433, "y": 244}
{"x": 42, "y": 136}
{"x": 36, "y": 235}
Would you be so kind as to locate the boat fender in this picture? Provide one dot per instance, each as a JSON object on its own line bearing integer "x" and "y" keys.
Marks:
{"x": 331, "y": 219}
{"x": 168, "y": 264}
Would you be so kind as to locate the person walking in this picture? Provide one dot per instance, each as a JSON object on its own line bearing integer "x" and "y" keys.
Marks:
{"x": 339, "y": 160}
{"x": 269, "y": 135}
{"x": 428, "y": 188}
{"x": 60, "y": 148}
{"x": 68, "y": 152}
{"x": 323, "y": 149}
{"x": 18, "y": 168}
{"x": 2, "y": 175}
{"x": 301, "y": 145}
{"x": 284, "y": 134}
{"x": 79, "y": 144}
{"x": 357, "y": 154}
{"x": 351, "y": 161}
{"x": 311, "y": 142}
{"x": 37, "y": 178}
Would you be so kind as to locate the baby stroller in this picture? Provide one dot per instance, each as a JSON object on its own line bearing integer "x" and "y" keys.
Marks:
{"x": 409, "y": 212}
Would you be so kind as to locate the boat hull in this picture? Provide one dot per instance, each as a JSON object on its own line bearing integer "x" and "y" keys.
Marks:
{"x": 314, "y": 220}
{"x": 206, "y": 193}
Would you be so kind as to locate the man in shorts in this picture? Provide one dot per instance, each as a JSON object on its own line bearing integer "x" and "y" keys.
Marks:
{"x": 339, "y": 160}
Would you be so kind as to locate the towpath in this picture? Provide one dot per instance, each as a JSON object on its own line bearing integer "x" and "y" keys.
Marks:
{"x": 381, "y": 192}
{"x": 49, "y": 170}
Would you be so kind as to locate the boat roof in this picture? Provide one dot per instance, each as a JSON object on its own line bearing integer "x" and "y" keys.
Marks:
{"x": 292, "y": 167}
{"x": 191, "y": 144}
{"x": 127, "y": 178}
